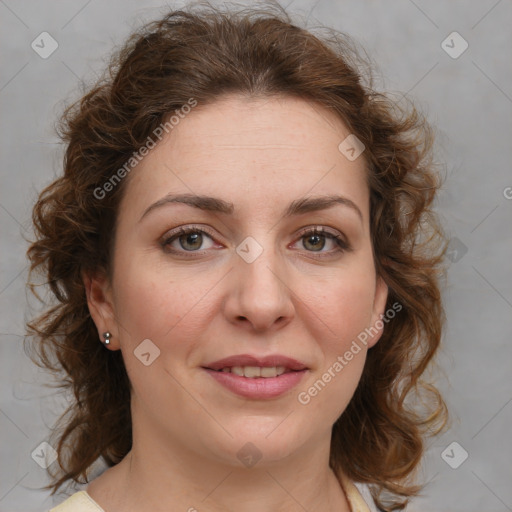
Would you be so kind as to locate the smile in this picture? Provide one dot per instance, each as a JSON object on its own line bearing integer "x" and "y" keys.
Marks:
{"x": 254, "y": 386}
{"x": 253, "y": 372}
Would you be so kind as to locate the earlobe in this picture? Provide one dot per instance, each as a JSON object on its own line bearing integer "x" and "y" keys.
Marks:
{"x": 100, "y": 304}
{"x": 379, "y": 306}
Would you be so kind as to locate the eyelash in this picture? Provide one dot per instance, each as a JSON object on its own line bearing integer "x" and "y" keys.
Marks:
{"x": 343, "y": 245}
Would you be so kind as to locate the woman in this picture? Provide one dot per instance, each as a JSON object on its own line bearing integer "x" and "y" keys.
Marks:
{"x": 245, "y": 269}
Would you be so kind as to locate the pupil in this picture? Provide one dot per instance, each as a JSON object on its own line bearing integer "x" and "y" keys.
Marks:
{"x": 194, "y": 239}
{"x": 317, "y": 239}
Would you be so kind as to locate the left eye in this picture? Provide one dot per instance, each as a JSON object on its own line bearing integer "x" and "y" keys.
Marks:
{"x": 316, "y": 239}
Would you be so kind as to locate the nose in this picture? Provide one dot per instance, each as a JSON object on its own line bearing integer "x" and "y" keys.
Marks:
{"x": 259, "y": 298}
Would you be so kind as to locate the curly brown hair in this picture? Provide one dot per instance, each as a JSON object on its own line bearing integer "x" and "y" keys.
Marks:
{"x": 204, "y": 53}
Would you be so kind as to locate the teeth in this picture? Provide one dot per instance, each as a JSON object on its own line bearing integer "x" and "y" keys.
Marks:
{"x": 268, "y": 372}
{"x": 253, "y": 372}
{"x": 238, "y": 370}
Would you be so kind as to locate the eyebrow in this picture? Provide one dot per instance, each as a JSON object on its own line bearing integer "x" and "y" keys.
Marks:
{"x": 214, "y": 204}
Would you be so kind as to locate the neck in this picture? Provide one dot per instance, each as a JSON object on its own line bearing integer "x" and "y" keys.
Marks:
{"x": 158, "y": 474}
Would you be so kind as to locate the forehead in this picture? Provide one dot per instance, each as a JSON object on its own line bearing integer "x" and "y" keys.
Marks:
{"x": 251, "y": 150}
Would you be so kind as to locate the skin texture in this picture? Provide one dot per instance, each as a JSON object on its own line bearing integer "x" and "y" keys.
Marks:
{"x": 259, "y": 154}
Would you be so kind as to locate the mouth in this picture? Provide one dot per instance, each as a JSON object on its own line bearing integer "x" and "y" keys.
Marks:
{"x": 255, "y": 372}
{"x": 255, "y": 377}
{"x": 246, "y": 365}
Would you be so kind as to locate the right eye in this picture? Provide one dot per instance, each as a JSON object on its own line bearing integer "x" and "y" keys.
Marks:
{"x": 187, "y": 239}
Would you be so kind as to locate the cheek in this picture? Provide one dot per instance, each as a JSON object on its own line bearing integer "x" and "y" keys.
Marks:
{"x": 343, "y": 312}
{"x": 173, "y": 313}
{"x": 344, "y": 307}
{"x": 153, "y": 304}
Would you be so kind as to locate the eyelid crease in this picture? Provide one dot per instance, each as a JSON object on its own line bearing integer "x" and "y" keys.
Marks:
{"x": 322, "y": 230}
{"x": 185, "y": 230}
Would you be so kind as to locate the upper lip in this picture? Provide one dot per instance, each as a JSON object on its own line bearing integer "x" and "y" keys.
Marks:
{"x": 250, "y": 360}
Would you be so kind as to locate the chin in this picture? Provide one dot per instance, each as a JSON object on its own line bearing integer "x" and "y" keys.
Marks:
{"x": 253, "y": 442}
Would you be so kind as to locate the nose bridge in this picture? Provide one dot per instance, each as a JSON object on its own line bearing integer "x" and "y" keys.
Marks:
{"x": 259, "y": 294}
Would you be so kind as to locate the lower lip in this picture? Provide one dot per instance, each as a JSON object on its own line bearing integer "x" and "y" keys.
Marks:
{"x": 259, "y": 388}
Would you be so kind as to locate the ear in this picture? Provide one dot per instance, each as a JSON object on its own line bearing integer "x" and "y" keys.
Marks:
{"x": 377, "y": 324}
{"x": 98, "y": 291}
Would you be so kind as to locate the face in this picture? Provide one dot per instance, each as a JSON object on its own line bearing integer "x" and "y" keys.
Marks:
{"x": 226, "y": 245}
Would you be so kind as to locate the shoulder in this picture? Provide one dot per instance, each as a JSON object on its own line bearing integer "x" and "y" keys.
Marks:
{"x": 358, "y": 495}
{"x": 365, "y": 494}
{"x": 78, "y": 502}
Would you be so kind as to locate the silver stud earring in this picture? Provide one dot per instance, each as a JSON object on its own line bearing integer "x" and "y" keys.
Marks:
{"x": 107, "y": 337}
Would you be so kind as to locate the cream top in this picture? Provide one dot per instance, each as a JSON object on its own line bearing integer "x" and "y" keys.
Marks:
{"x": 82, "y": 502}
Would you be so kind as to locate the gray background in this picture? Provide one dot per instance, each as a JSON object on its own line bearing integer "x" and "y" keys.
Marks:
{"x": 468, "y": 99}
